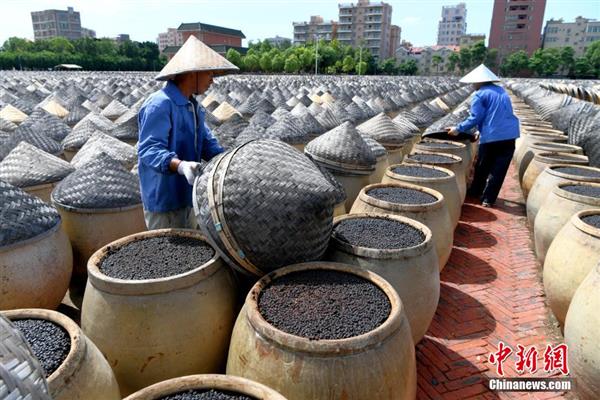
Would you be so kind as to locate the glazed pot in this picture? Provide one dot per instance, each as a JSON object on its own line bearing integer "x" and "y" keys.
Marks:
{"x": 556, "y": 211}
{"x": 379, "y": 364}
{"x": 446, "y": 185}
{"x": 543, "y": 160}
{"x": 161, "y": 328}
{"x": 572, "y": 255}
{"x": 35, "y": 273}
{"x": 434, "y": 215}
{"x": 412, "y": 271}
{"x": 85, "y": 373}
{"x": 225, "y": 383}
{"x": 547, "y": 181}
{"x": 581, "y": 336}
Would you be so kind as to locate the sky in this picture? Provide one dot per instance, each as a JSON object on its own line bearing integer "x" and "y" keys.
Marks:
{"x": 257, "y": 19}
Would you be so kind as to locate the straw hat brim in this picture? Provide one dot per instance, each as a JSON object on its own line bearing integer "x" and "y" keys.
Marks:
{"x": 195, "y": 56}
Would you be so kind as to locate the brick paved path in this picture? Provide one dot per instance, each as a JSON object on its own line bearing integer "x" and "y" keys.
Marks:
{"x": 491, "y": 291}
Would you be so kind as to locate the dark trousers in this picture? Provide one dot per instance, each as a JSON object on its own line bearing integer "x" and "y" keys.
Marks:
{"x": 493, "y": 161}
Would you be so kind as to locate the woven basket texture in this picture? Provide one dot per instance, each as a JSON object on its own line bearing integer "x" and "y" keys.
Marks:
{"x": 342, "y": 145}
{"x": 100, "y": 142}
{"x": 23, "y": 216}
{"x": 101, "y": 183}
{"x": 80, "y": 135}
{"x": 275, "y": 201}
{"x": 384, "y": 130}
{"x": 26, "y": 165}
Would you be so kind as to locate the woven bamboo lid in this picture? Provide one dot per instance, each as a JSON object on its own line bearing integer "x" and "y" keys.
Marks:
{"x": 102, "y": 143}
{"x": 384, "y": 130}
{"x": 102, "y": 183}
{"x": 265, "y": 205}
{"x": 26, "y": 165}
{"x": 23, "y": 216}
{"x": 342, "y": 148}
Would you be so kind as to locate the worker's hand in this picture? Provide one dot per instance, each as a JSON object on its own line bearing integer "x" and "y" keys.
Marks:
{"x": 452, "y": 131}
{"x": 190, "y": 170}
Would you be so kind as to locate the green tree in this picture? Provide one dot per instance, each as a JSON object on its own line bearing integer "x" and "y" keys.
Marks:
{"x": 453, "y": 60}
{"x": 292, "y": 65}
{"x": 265, "y": 63}
{"x": 389, "y": 67}
{"x": 515, "y": 63}
{"x": 348, "y": 65}
{"x": 60, "y": 45}
{"x": 278, "y": 63}
{"x": 465, "y": 60}
{"x": 15, "y": 44}
{"x": 408, "y": 67}
{"x": 545, "y": 62}
{"x": 592, "y": 54}
{"x": 436, "y": 60}
{"x": 361, "y": 68}
{"x": 478, "y": 53}
{"x": 491, "y": 58}
{"x": 582, "y": 68}
{"x": 331, "y": 70}
{"x": 234, "y": 57}
{"x": 251, "y": 63}
{"x": 567, "y": 59}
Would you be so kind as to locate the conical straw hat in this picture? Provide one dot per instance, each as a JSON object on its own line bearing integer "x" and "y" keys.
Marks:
{"x": 194, "y": 56}
{"x": 479, "y": 75}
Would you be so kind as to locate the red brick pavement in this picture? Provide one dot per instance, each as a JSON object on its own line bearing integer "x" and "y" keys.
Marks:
{"x": 491, "y": 291}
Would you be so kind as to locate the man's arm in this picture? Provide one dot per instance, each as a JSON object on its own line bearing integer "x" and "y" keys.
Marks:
{"x": 155, "y": 128}
{"x": 477, "y": 115}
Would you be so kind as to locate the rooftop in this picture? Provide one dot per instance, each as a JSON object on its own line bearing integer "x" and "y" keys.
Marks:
{"x": 199, "y": 26}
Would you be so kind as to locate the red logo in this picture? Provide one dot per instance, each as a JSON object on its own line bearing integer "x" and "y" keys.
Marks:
{"x": 555, "y": 358}
{"x": 500, "y": 356}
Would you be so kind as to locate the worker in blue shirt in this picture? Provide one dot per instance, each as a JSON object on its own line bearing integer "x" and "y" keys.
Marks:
{"x": 174, "y": 137}
{"x": 492, "y": 115}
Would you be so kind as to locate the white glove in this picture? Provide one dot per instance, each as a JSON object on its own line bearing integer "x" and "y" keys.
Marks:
{"x": 190, "y": 170}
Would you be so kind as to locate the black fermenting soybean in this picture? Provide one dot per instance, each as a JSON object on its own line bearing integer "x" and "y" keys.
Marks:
{"x": 378, "y": 233}
{"x": 401, "y": 195}
{"x": 420, "y": 172}
{"x": 592, "y": 173}
{"x": 432, "y": 158}
{"x": 49, "y": 342}
{"x": 583, "y": 190}
{"x": 156, "y": 257}
{"x": 593, "y": 220}
{"x": 324, "y": 304}
{"x": 203, "y": 394}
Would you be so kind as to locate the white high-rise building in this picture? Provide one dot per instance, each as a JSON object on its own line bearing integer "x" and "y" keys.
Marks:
{"x": 453, "y": 25}
{"x": 172, "y": 37}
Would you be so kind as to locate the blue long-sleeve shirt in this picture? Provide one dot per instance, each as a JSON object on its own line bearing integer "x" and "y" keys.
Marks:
{"x": 167, "y": 130}
{"x": 492, "y": 114}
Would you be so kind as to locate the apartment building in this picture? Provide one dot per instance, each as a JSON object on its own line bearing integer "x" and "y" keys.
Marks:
{"x": 395, "y": 40}
{"x": 172, "y": 37}
{"x": 452, "y": 25}
{"x": 368, "y": 25}
{"x": 49, "y": 24}
{"x": 212, "y": 34}
{"x": 578, "y": 35}
{"x": 316, "y": 27}
{"x": 517, "y": 25}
